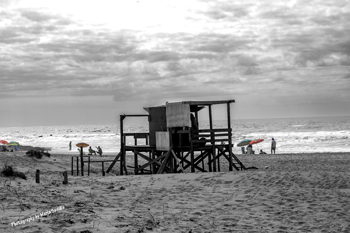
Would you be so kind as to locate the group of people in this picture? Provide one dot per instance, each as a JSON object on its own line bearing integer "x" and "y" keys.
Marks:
{"x": 273, "y": 148}
{"x": 99, "y": 151}
{"x": 91, "y": 151}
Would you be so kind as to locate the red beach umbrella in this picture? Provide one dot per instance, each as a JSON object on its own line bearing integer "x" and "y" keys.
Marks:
{"x": 256, "y": 141}
{"x": 3, "y": 142}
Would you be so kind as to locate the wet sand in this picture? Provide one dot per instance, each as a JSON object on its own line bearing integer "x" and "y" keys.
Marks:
{"x": 288, "y": 193}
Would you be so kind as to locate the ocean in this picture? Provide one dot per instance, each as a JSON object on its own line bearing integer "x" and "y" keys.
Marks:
{"x": 293, "y": 135}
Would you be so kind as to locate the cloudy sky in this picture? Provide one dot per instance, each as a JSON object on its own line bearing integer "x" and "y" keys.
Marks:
{"x": 87, "y": 61}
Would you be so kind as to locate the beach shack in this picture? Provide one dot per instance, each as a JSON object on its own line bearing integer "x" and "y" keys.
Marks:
{"x": 175, "y": 142}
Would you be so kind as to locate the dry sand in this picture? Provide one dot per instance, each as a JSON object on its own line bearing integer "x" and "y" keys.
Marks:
{"x": 288, "y": 193}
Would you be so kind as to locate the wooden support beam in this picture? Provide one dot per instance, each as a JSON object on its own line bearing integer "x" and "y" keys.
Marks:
{"x": 125, "y": 169}
{"x": 201, "y": 159}
{"x": 192, "y": 160}
{"x": 171, "y": 163}
{"x": 153, "y": 161}
{"x": 177, "y": 161}
{"x": 216, "y": 135}
{"x": 195, "y": 166}
{"x": 136, "y": 161}
{"x": 134, "y": 115}
{"x": 208, "y": 102}
{"x": 230, "y": 136}
{"x": 154, "y": 168}
{"x": 114, "y": 161}
{"x": 203, "y": 154}
{"x": 188, "y": 153}
{"x": 210, "y": 140}
{"x": 189, "y": 164}
{"x": 161, "y": 169}
{"x": 219, "y": 164}
{"x": 148, "y": 159}
{"x": 211, "y": 130}
{"x": 122, "y": 145}
{"x": 217, "y": 156}
{"x": 191, "y": 150}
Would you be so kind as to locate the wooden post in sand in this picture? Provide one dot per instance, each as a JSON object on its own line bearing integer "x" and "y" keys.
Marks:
{"x": 81, "y": 161}
{"x": 65, "y": 177}
{"x": 37, "y": 176}
{"x": 103, "y": 169}
{"x": 77, "y": 166}
{"x": 89, "y": 166}
{"x": 81, "y": 145}
{"x": 72, "y": 168}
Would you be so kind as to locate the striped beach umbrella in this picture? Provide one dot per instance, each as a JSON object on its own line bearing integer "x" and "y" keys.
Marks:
{"x": 13, "y": 143}
{"x": 3, "y": 142}
{"x": 244, "y": 142}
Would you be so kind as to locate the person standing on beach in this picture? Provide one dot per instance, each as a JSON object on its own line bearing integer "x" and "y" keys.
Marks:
{"x": 273, "y": 146}
{"x": 70, "y": 145}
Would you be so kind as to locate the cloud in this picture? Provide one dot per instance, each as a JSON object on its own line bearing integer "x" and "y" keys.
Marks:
{"x": 224, "y": 49}
{"x": 226, "y": 10}
{"x": 37, "y": 16}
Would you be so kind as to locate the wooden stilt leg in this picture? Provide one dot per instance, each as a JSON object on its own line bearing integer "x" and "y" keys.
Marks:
{"x": 136, "y": 164}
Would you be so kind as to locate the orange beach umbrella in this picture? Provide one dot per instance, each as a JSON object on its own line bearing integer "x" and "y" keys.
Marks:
{"x": 256, "y": 141}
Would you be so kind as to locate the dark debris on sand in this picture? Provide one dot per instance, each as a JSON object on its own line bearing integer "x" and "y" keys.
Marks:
{"x": 37, "y": 154}
{"x": 9, "y": 171}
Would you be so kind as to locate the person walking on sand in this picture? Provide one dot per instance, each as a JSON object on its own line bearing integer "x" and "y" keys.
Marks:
{"x": 273, "y": 146}
{"x": 70, "y": 145}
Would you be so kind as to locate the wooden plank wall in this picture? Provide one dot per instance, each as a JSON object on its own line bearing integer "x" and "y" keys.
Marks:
{"x": 178, "y": 115}
{"x": 157, "y": 123}
{"x": 162, "y": 141}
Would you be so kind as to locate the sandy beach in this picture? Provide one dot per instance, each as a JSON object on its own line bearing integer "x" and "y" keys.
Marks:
{"x": 288, "y": 193}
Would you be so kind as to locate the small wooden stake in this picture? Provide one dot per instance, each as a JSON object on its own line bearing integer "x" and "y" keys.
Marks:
{"x": 103, "y": 169}
{"x": 72, "y": 167}
{"x": 37, "y": 176}
{"x": 65, "y": 177}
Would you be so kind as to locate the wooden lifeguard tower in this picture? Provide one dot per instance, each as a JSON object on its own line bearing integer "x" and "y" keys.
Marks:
{"x": 175, "y": 143}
